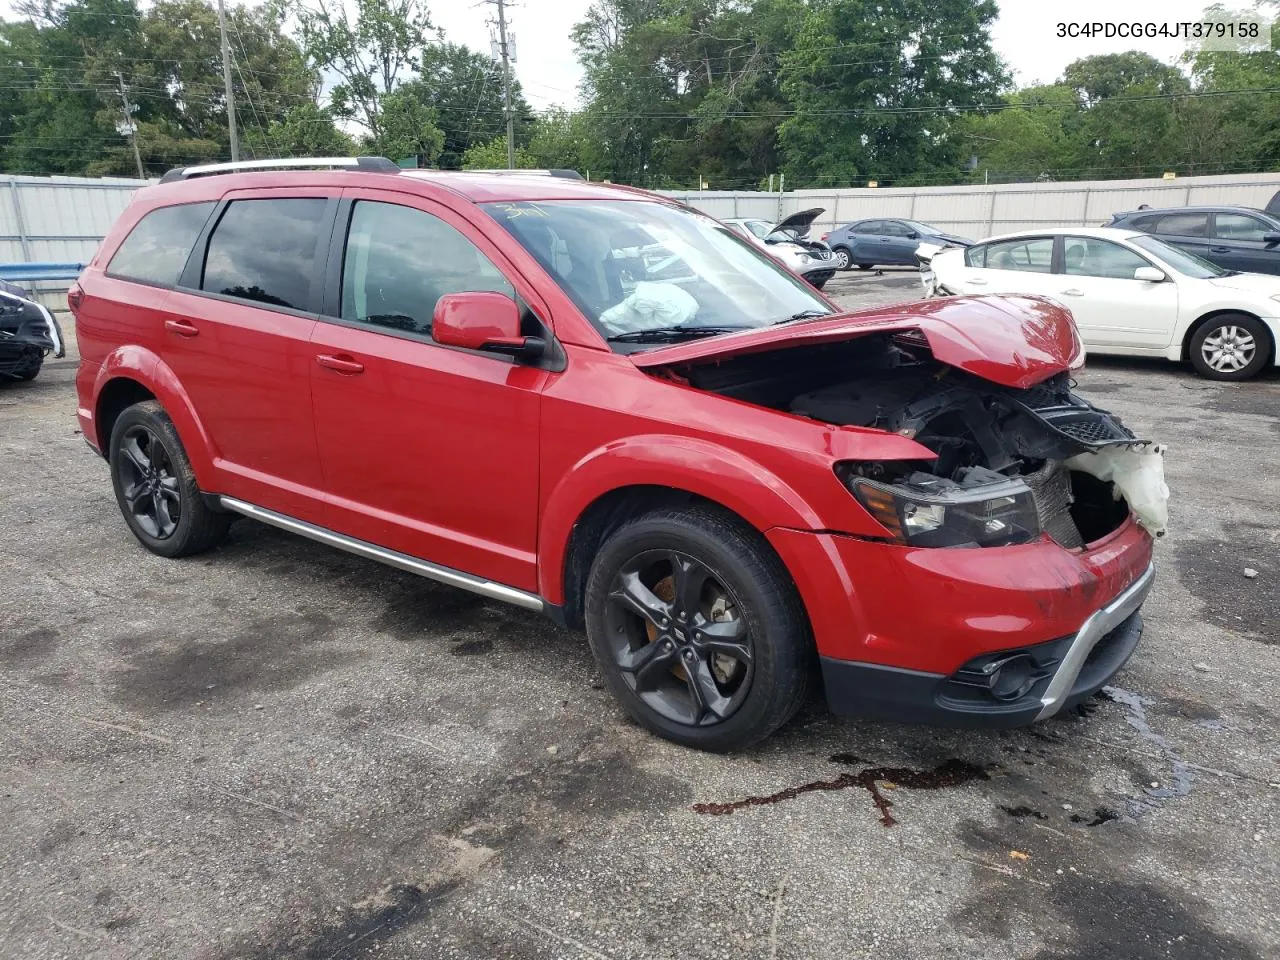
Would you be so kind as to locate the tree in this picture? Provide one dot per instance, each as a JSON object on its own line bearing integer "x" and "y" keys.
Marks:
{"x": 305, "y": 130}
{"x": 370, "y": 53}
{"x": 407, "y": 129}
{"x": 492, "y": 155}
{"x": 465, "y": 90}
{"x": 875, "y": 86}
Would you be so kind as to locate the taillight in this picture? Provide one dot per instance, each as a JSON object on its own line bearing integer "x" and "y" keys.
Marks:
{"x": 823, "y": 238}
{"x": 75, "y": 297}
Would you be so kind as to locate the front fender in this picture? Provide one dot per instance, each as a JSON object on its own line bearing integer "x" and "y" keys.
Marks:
{"x": 695, "y": 466}
{"x": 145, "y": 368}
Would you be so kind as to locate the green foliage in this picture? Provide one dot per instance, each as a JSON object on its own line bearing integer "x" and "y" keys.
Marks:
{"x": 492, "y": 155}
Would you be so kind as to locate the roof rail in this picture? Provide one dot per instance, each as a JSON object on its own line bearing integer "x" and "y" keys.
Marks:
{"x": 368, "y": 164}
{"x": 563, "y": 174}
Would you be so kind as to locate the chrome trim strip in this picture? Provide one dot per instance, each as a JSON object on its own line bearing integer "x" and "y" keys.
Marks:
{"x": 1094, "y": 629}
{"x": 401, "y": 561}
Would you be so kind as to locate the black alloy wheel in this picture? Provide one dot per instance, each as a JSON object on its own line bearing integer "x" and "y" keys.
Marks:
{"x": 677, "y": 636}
{"x": 151, "y": 491}
{"x": 697, "y": 627}
{"x": 156, "y": 488}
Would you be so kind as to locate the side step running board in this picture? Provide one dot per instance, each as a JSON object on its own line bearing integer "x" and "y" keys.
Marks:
{"x": 402, "y": 561}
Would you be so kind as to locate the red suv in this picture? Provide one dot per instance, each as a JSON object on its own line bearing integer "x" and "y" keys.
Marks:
{"x": 594, "y": 402}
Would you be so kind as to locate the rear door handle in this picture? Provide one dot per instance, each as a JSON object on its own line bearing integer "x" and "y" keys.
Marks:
{"x": 183, "y": 328}
{"x": 1073, "y": 292}
{"x": 340, "y": 364}
{"x": 1219, "y": 249}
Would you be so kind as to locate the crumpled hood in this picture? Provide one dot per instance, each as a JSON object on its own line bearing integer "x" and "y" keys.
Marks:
{"x": 1015, "y": 341}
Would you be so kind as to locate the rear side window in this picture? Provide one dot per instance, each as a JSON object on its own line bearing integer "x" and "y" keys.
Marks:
{"x": 1033, "y": 256}
{"x": 1183, "y": 224}
{"x": 265, "y": 251}
{"x": 156, "y": 249}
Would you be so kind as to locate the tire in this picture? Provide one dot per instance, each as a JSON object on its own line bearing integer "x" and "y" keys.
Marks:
{"x": 741, "y": 600}
{"x": 31, "y": 370}
{"x": 152, "y": 479}
{"x": 1230, "y": 346}
{"x": 842, "y": 257}
{"x": 865, "y": 266}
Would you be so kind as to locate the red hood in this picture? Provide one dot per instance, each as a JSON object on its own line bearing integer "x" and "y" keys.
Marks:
{"x": 1015, "y": 341}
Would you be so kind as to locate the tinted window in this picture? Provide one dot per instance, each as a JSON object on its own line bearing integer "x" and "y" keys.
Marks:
{"x": 875, "y": 227}
{"x": 1237, "y": 226}
{"x": 157, "y": 248}
{"x": 1183, "y": 224}
{"x": 1087, "y": 257}
{"x": 265, "y": 250}
{"x": 400, "y": 261}
{"x": 1147, "y": 223}
{"x": 892, "y": 228}
{"x": 1035, "y": 256}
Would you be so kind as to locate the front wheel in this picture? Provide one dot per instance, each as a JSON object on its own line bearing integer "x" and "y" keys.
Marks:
{"x": 841, "y": 257}
{"x": 697, "y": 629}
{"x": 156, "y": 488}
{"x": 1231, "y": 346}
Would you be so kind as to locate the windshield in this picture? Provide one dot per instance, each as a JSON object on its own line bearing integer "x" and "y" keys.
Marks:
{"x": 1185, "y": 263}
{"x": 635, "y": 265}
{"x": 919, "y": 227}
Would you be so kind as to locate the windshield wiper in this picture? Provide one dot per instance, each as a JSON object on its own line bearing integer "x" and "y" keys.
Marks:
{"x": 803, "y": 315}
{"x": 671, "y": 334}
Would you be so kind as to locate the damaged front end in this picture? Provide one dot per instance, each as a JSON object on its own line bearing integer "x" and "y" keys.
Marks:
{"x": 28, "y": 332}
{"x": 1011, "y": 463}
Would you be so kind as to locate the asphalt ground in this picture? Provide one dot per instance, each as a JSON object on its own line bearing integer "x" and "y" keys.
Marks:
{"x": 279, "y": 750}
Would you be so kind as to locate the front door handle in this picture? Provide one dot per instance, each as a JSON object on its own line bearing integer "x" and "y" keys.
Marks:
{"x": 1219, "y": 249}
{"x": 183, "y": 328}
{"x": 1073, "y": 292}
{"x": 976, "y": 282}
{"x": 340, "y": 364}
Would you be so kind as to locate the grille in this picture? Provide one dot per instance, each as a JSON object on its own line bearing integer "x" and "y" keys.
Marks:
{"x": 1086, "y": 426}
{"x": 1051, "y": 490}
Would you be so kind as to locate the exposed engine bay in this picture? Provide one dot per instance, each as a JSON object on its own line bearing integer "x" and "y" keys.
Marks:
{"x": 1010, "y": 463}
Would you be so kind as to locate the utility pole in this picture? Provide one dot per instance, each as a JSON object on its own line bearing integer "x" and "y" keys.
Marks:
{"x": 131, "y": 126}
{"x": 506, "y": 84}
{"x": 226, "y": 79}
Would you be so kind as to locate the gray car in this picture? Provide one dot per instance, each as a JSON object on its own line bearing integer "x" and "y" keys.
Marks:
{"x": 885, "y": 242}
{"x": 1235, "y": 238}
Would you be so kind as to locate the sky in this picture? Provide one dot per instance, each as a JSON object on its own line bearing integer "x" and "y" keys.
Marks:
{"x": 1024, "y": 35}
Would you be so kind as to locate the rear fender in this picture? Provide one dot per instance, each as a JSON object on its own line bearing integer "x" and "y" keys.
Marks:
{"x": 685, "y": 464}
{"x": 147, "y": 369}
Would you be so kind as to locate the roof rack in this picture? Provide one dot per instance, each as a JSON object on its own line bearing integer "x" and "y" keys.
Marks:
{"x": 368, "y": 164}
{"x": 563, "y": 174}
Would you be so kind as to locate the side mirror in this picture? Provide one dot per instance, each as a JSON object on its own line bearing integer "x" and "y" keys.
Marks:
{"x": 1271, "y": 238}
{"x": 1149, "y": 274}
{"x": 913, "y": 235}
{"x": 480, "y": 320}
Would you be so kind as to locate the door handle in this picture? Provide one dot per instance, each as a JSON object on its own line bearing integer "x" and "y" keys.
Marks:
{"x": 1219, "y": 249}
{"x": 976, "y": 282}
{"x": 183, "y": 328}
{"x": 340, "y": 364}
{"x": 1073, "y": 292}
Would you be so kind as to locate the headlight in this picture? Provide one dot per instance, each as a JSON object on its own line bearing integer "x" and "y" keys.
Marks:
{"x": 928, "y": 511}
{"x": 804, "y": 258}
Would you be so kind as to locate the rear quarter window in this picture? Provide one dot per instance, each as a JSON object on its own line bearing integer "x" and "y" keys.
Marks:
{"x": 976, "y": 256}
{"x": 156, "y": 249}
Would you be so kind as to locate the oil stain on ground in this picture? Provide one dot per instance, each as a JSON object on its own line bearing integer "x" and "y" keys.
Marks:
{"x": 1213, "y": 570}
{"x": 951, "y": 773}
{"x": 175, "y": 671}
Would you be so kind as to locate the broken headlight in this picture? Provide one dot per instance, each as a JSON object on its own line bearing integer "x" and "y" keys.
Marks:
{"x": 929, "y": 511}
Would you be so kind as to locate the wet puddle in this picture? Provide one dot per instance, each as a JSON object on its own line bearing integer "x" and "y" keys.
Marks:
{"x": 875, "y": 780}
{"x": 1180, "y": 773}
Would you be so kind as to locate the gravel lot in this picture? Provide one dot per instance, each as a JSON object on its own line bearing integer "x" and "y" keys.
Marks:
{"x": 279, "y": 750}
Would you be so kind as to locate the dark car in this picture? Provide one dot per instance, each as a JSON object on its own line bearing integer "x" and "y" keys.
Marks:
{"x": 872, "y": 243}
{"x": 28, "y": 332}
{"x": 1237, "y": 238}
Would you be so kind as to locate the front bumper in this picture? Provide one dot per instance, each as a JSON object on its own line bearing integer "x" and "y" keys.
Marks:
{"x": 1063, "y": 672}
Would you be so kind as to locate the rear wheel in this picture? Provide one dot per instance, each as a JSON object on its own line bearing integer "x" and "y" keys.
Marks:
{"x": 697, "y": 629}
{"x": 1231, "y": 346}
{"x": 865, "y": 266}
{"x": 155, "y": 487}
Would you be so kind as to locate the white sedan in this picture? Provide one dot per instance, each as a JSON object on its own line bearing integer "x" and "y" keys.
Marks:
{"x": 1130, "y": 293}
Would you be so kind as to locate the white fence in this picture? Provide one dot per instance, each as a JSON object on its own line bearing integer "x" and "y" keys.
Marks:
{"x": 984, "y": 211}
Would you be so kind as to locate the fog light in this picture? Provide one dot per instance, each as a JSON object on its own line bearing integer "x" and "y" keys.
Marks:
{"x": 1012, "y": 678}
